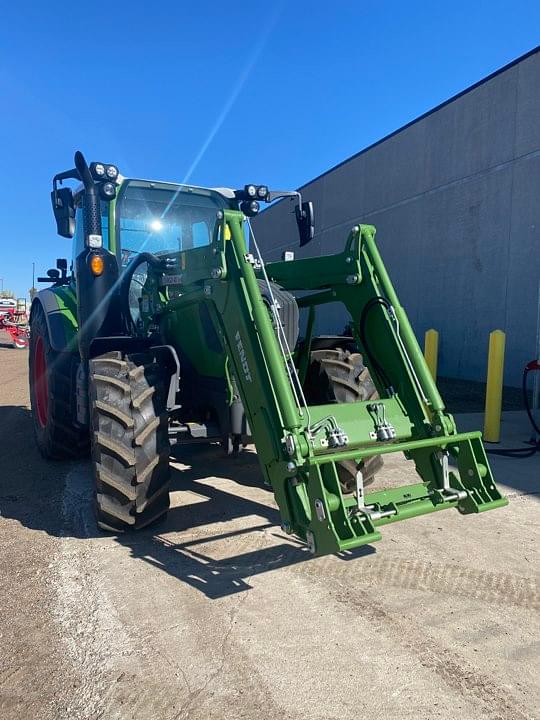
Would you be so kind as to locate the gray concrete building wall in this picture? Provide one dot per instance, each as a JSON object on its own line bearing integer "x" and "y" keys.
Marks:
{"x": 455, "y": 198}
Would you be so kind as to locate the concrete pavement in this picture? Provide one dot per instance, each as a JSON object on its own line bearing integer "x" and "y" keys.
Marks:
{"x": 216, "y": 614}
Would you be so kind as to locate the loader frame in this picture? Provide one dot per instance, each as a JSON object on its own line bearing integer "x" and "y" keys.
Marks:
{"x": 299, "y": 445}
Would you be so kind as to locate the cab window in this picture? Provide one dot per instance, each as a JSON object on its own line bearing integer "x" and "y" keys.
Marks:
{"x": 161, "y": 218}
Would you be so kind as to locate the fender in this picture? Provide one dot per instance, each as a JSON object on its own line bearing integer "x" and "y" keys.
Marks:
{"x": 59, "y": 305}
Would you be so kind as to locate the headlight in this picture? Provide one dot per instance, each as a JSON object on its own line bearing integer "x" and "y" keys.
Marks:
{"x": 107, "y": 191}
{"x": 249, "y": 207}
{"x": 102, "y": 171}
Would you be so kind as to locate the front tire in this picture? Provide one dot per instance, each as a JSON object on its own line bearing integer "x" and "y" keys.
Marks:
{"x": 57, "y": 435}
{"x": 339, "y": 376}
{"x": 130, "y": 441}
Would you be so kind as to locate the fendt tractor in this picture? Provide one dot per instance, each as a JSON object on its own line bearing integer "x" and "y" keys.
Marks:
{"x": 169, "y": 328}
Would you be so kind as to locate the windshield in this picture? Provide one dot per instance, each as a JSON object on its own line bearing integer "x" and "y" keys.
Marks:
{"x": 161, "y": 218}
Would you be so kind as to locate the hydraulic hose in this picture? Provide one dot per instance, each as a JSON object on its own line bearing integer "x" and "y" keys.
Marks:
{"x": 526, "y": 451}
{"x": 533, "y": 365}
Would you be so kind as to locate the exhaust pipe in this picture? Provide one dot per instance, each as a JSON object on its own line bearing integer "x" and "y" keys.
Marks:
{"x": 91, "y": 208}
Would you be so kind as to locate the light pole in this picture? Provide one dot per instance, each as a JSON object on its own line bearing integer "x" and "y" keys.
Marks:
{"x": 2, "y": 281}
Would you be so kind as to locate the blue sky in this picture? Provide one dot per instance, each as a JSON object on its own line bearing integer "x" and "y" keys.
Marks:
{"x": 228, "y": 93}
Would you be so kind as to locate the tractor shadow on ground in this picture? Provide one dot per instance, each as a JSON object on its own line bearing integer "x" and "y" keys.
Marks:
{"x": 223, "y": 531}
{"x": 194, "y": 544}
{"x": 207, "y": 561}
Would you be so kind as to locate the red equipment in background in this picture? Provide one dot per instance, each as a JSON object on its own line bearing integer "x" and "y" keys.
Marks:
{"x": 14, "y": 321}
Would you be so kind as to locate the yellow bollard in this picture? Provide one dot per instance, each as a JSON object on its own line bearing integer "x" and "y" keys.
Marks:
{"x": 431, "y": 351}
{"x": 494, "y": 386}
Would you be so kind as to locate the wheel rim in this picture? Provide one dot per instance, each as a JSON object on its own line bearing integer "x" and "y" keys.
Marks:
{"x": 41, "y": 386}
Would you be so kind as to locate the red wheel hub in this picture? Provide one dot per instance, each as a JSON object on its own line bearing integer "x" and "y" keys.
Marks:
{"x": 41, "y": 386}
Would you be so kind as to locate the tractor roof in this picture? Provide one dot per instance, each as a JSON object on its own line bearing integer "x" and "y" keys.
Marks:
{"x": 225, "y": 192}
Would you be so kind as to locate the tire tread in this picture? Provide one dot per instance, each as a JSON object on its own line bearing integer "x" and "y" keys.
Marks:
{"x": 130, "y": 440}
{"x": 340, "y": 376}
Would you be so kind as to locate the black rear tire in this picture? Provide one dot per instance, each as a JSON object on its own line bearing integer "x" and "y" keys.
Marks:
{"x": 52, "y": 392}
{"x": 130, "y": 441}
{"x": 340, "y": 376}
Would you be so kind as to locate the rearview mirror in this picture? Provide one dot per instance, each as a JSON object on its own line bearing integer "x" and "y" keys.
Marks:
{"x": 64, "y": 211}
{"x": 306, "y": 222}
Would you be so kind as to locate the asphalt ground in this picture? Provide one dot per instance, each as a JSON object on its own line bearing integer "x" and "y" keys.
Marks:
{"x": 215, "y": 613}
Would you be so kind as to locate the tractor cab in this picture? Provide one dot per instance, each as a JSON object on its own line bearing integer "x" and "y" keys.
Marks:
{"x": 156, "y": 217}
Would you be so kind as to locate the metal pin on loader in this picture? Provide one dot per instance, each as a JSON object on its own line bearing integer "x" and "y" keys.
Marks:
{"x": 369, "y": 510}
{"x": 449, "y": 492}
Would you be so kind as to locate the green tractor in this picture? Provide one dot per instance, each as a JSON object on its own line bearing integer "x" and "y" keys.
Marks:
{"x": 169, "y": 328}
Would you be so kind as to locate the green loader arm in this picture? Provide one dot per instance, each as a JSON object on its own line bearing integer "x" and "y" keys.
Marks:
{"x": 298, "y": 446}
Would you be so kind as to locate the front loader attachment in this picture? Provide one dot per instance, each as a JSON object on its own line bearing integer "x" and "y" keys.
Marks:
{"x": 298, "y": 445}
{"x": 342, "y": 522}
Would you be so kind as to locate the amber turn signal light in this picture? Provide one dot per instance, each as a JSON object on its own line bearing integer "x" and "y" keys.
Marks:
{"x": 96, "y": 264}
